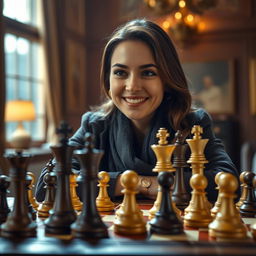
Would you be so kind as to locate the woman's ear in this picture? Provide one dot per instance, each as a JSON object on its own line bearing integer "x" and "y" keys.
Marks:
{"x": 109, "y": 94}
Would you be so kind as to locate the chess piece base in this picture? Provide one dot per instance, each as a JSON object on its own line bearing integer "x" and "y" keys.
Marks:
{"x": 89, "y": 228}
{"x": 90, "y": 233}
{"x": 130, "y": 230}
{"x": 59, "y": 224}
{"x": 105, "y": 205}
{"x": 248, "y": 214}
{"x": 43, "y": 210}
{"x": 237, "y": 234}
{"x": 105, "y": 209}
{"x": 200, "y": 223}
{"x": 28, "y": 231}
{"x": 163, "y": 226}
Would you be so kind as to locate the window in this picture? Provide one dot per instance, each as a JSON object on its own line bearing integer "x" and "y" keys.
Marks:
{"x": 24, "y": 61}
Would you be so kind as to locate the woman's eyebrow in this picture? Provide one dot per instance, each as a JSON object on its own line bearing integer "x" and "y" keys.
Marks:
{"x": 141, "y": 67}
{"x": 119, "y": 65}
{"x": 148, "y": 66}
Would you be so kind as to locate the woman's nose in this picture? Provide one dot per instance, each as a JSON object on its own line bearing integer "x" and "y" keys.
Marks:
{"x": 133, "y": 83}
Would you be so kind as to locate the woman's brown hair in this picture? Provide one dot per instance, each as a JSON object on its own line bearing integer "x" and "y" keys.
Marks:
{"x": 171, "y": 73}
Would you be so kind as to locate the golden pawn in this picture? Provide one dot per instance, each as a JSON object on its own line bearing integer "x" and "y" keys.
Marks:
{"x": 77, "y": 204}
{"x": 228, "y": 223}
{"x": 129, "y": 218}
{"x": 31, "y": 198}
{"x": 198, "y": 214}
{"x": 163, "y": 152}
{"x": 217, "y": 204}
{"x": 244, "y": 190}
{"x": 103, "y": 202}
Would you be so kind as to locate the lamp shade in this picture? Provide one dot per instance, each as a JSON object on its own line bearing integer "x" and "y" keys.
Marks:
{"x": 19, "y": 110}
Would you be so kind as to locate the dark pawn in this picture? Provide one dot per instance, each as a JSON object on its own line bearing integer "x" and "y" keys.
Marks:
{"x": 62, "y": 215}
{"x": 89, "y": 224}
{"x": 166, "y": 221}
{"x": 18, "y": 223}
{"x": 31, "y": 210}
{"x": 4, "y": 209}
{"x": 179, "y": 195}
{"x": 50, "y": 180}
{"x": 248, "y": 208}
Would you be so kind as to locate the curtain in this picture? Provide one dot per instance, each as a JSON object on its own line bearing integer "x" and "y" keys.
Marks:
{"x": 54, "y": 91}
{"x": 3, "y": 161}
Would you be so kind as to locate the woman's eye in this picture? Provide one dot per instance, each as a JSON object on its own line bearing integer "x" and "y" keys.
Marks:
{"x": 119, "y": 72}
{"x": 149, "y": 73}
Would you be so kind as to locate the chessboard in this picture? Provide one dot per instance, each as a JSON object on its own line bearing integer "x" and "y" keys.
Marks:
{"x": 192, "y": 242}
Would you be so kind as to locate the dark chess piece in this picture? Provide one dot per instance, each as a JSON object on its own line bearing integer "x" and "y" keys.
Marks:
{"x": 4, "y": 209}
{"x": 248, "y": 207}
{"x": 179, "y": 195}
{"x": 89, "y": 224}
{"x": 62, "y": 215}
{"x": 19, "y": 223}
{"x": 50, "y": 180}
{"x": 31, "y": 210}
{"x": 166, "y": 221}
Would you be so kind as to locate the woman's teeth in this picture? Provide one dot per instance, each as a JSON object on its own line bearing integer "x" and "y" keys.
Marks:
{"x": 134, "y": 101}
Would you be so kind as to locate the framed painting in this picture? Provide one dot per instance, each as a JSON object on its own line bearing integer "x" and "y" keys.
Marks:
{"x": 212, "y": 85}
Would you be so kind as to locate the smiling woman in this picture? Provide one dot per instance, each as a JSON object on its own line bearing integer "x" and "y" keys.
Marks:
{"x": 135, "y": 85}
{"x": 145, "y": 89}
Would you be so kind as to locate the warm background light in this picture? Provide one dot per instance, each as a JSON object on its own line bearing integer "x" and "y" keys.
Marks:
{"x": 182, "y": 17}
{"x": 19, "y": 111}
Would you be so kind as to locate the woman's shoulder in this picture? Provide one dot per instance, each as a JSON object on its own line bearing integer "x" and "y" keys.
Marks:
{"x": 199, "y": 117}
{"x": 94, "y": 117}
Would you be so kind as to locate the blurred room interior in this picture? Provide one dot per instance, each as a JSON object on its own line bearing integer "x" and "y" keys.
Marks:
{"x": 50, "y": 56}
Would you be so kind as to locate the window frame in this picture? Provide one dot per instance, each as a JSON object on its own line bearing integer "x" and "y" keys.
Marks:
{"x": 32, "y": 34}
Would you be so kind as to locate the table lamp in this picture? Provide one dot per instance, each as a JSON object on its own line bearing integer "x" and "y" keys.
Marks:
{"x": 19, "y": 111}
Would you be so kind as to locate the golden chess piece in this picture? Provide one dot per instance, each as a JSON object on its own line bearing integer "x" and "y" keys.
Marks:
{"x": 129, "y": 218}
{"x": 217, "y": 204}
{"x": 198, "y": 214}
{"x": 244, "y": 188}
{"x": 197, "y": 145}
{"x": 197, "y": 158}
{"x": 77, "y": 204}
{"x": 31, "y": 198}
{"x": 228, "y": 223}
{"x": 103, "y": 202}
{"x": 156, "y": 206}
{"x": 163, "y": 152}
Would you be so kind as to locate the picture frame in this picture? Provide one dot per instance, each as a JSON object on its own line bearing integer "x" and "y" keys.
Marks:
{"x": 252, "y": 83}
{"x": 212, "y": 85}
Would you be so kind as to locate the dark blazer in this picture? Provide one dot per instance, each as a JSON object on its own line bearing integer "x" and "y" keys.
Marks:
{"x": 113, "y": 135}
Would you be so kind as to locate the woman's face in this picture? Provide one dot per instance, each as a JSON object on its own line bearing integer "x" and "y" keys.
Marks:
{"x": 135, "y": 86}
